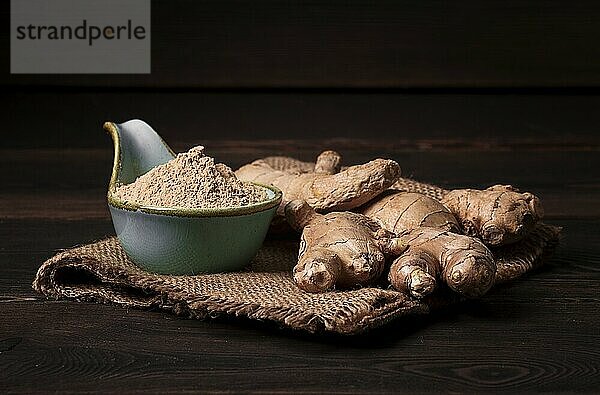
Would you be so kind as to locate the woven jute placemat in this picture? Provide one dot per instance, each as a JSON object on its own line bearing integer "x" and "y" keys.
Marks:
{"x": 102, "y": 272}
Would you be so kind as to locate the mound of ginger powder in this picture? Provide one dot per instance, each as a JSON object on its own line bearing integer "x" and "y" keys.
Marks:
{"x": 191, "y": 180}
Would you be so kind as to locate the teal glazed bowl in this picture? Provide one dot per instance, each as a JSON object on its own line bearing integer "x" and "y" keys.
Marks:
{"x": 179, "y": 241}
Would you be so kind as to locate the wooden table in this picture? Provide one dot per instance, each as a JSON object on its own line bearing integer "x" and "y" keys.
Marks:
{"x": 538, "y": 334}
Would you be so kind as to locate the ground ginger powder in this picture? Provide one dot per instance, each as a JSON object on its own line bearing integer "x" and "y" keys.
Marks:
{"x": 191, "y": 180}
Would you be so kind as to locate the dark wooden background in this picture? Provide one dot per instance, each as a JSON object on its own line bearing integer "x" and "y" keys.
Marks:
{"x": 316, "y": 44}
{"x": 460, "y": 93}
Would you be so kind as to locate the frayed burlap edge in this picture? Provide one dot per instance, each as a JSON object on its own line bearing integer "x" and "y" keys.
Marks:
{"x": 104, "y": 281}
{"x": 101, "y": 272}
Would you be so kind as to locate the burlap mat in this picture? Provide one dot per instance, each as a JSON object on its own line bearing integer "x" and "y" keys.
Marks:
{"x": 101, "y": 272}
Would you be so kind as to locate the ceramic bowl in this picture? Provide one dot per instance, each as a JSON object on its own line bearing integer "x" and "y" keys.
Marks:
{"x": 179, "y": 241}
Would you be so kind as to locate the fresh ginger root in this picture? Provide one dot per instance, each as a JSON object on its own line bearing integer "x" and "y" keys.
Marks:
{"x": 325, "y": 188}
{"x": 498, "y": 215}
{"x": 339, "y": 249}
{"x": 464, "y": 263}
{"x": 328, "y": 162}
{"x": 434, "y": 252}
{"x": 399, "y": 211}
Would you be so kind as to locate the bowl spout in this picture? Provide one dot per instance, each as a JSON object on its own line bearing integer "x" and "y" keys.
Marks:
{"x": 138, "y": 148}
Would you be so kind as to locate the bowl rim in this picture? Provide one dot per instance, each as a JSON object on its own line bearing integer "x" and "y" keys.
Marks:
{"x": 204, "y": 212}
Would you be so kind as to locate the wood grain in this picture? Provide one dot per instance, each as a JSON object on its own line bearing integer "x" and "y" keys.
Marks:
{"x": 73, "y": 119}
{"x": 539, "y": 334}
{"x": 336, "y": 43}
{"x": 72, "y": 183}
{"x": 503, "y": 342}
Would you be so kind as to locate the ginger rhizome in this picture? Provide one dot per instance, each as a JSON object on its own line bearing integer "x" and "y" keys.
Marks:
{"x": 326, "y": 190}
{"x": 464, "y": 263}
{"x": 498, "y": 215}
{"x": 434, "y": 251}
{"x": 339, "y": 249}
{"x": 399, "y": 211}
{"x": 428, "y": 227}
{"x": 328, "y": 162}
